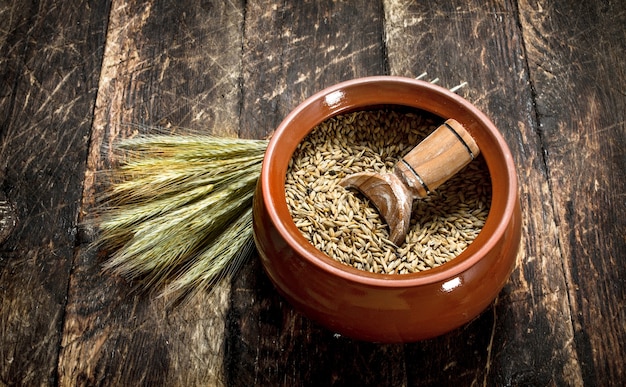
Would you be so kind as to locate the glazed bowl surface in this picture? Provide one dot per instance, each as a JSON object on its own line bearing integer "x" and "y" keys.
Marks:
{"x": 386, "y": 307}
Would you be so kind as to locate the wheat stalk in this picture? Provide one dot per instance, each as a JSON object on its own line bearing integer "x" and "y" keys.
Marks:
{"x": 178, "y": 211}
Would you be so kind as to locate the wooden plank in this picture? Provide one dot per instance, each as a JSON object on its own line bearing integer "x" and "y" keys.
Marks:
{"x": 270, "y": 344}
{"x": 293, "y": 50}
{"x": 527, "y": 336}
{"x": 576, "y": 59}
{"x": 50, "y": 59}
{"x": 176, "y": 65}
{"x": 13, "y": 42}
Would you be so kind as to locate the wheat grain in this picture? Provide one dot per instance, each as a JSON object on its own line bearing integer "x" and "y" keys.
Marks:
{"x": 342, "y": 223}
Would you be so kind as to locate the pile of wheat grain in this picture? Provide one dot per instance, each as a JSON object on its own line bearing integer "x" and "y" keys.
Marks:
{"x": 345, "y": 226}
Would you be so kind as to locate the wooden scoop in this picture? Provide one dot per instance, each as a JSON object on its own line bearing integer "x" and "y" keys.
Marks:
{"x": 431, "y": 163}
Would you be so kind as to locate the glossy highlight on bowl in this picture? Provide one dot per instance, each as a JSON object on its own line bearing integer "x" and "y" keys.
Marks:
{"x": 386, "y": 307}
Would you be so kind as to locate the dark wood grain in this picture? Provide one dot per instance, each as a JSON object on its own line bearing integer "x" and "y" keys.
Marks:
{"x": 172, "y": 65}
{"x": 481, "y": 43}
{"x": 76, "y": 76}
{"x": 292, "y": 51}
{"x": 270, "y": 344}
{"x": 51, "y": 59}
{"x": 575, "y": 57}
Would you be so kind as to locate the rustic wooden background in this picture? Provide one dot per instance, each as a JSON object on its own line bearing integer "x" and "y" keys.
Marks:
{"x": 550, "y": 74}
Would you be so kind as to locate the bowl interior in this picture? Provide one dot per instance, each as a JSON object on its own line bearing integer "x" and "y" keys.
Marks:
{"x": 370, "y": 93}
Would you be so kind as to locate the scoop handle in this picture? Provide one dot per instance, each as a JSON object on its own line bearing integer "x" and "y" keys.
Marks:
{"x": 437, "y": 158}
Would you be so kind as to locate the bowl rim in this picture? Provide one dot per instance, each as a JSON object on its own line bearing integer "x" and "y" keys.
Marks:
{"x": 305, "y": 250}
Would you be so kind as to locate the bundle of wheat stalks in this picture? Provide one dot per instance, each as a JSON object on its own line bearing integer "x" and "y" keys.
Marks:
{"x": 178, "y": 210}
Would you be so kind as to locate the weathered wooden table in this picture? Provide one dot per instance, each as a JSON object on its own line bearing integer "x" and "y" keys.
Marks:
{"x": 550, "y": 74}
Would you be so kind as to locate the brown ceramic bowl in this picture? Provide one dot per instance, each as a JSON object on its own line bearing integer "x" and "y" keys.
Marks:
{"x": 386, "y": 307}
